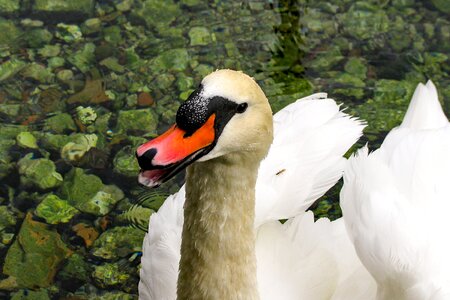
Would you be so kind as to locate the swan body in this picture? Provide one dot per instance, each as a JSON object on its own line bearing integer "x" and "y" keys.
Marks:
{"x": 395, "y": 203}
{"x": 232, "y": 244}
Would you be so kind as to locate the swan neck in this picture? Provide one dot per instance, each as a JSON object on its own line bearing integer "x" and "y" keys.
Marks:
{"x": 218, "y": 244}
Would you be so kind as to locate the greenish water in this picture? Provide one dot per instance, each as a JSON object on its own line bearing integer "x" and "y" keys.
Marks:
{"x": 81, "y": 85}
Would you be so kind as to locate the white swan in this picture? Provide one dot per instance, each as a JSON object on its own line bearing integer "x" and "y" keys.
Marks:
{"x": 226, "y": 127}
{"x": 396, "y": 202}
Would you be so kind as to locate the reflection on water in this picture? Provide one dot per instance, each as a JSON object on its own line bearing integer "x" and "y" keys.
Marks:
{"x": 82, "y": 83}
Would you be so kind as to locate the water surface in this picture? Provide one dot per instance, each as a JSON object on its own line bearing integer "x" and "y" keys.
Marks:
{"x": 81, "y": 85}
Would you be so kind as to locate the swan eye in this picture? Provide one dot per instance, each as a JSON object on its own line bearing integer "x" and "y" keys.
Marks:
{"x": 241, "y": 108}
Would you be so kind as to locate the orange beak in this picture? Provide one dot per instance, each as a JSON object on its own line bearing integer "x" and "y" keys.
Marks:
{"x": 166, "y": 155}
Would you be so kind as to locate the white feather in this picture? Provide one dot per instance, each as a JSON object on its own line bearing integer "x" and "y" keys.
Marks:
{"x": 305, "y": 159}
{"x": 395, "y": 203}
{"x": 161, "y": 250}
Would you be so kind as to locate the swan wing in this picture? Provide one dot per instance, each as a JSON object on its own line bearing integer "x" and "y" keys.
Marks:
{"x": 305, "y": 159}
{"x": 303, "y": 259}
{"x": 161, "y": 251}
{"x": 395, "y": 203}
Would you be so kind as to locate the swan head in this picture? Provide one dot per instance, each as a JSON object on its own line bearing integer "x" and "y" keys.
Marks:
{"x": 227, "y": 113}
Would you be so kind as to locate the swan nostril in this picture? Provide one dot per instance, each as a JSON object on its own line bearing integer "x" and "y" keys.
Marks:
{"x": 145, "y": 160}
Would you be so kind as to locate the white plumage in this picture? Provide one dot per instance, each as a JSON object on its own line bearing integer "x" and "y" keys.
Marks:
{"x": 300, "y": 259}
{"x": 395, "y": 203}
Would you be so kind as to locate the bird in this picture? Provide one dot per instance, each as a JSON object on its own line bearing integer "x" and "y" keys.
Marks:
{"x": 220, "y": 236}
{"x": 395, "y": 204}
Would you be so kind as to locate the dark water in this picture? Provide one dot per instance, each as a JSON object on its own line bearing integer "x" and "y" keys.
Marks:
{"x": 82, "y": 84}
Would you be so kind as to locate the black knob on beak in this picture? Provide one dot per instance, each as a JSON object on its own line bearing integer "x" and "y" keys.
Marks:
{"x": 145, "y": 160}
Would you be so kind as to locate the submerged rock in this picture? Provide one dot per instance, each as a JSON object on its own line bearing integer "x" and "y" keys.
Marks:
{"x": 103, "y": 201}
{"x": 40, "y": 172}
{"x": 91, "y": 26}
{"x": 86, "y": 115}
{"x": 33, "y": 259}
{"x": 88, "y": 233}
{"x": 56, "y": 10}
{"x": 50, "y": 50}
{"x": 9, "y": 7}
{"x": 68, "y": 33}
{"x": 112, "y": 34}
{"x": 144, "y": 99}
{"x": 157, "y": 13}
{"x": 83, "y": 59}
{"x": 25, "y": 294}
{"x": 117, "y": 242}
{"x": 357, "y": 67}
{"x": 365, "y": 20}
{"x": 10, "y": 68}
{"x": 326, "y": 59}
{"x": 60, "y": 123}
{"x": 75, "y": 268}
{"x": 125, "y": 162}
{"x": 55, "y": 210}
{"x": 9, "y": 34}
{"x": 54, "y": 142}
{"x": 64, "y": 75}
{"x": 26, "y": 140}
{"x": 37, "y": 72}
{"x": 31, "y": 23}
{"x": 350, "y": 85}
{"x": 38, "y": 37}
{"x": 138, "y": 120}
{"x": 74, "y": 150}
{"x": 114, "y": 296}
{"x": 87, "y": 193}
{"x": 110, "y": 275}
{"x": 7, "y": 218}
{"x": 172, "y": 60}
{"x": 93, "y": 91}
{"x": 199, "y": 36}
{"x": 112, "y": 63}
{"x": 11, "y": 110}
{"x": 442, "y": 5}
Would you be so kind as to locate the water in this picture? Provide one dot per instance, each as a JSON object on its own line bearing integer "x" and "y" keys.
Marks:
{"x": 81, "y": 85}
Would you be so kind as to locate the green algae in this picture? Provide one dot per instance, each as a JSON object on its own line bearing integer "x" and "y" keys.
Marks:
{"x": 83, "y": 59}
{"x": 8, "y": 7}
{"x": 125, "y": 163}
{"x": 24, "y": 294}
{"x": 55, "y": 210}
{"x": 157, "y": 13}
{"x": 75, "y": 268}
{"x": 119, "y": 241}
{"x": 68, "y": 33}
{"x": 138, "y": 120}
{"x": 26, "y": 140}
{"x": 37, "y": 72}
{"x": 77, "y": 147}
{"x": 40, "y": 173}
{"x": 10, "y": 68}
{"x": 60, "y": 123}
{"x": 10, "y": 34}
{"x": 63, "y": 10}
{"x": 87, "y": 193}
{"x": 7, "y": 218}
{"x": 109, "y": 275}
{"x": 172, "y": 60}
{"x": 33, "y": 259}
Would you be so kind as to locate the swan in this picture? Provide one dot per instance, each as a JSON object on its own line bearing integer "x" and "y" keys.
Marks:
{"x": 395, "y": 204}
{"x": 219, "y": 237}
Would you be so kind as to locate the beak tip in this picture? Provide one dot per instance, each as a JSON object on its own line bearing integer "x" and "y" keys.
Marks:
{"x": 145, "y": 160}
